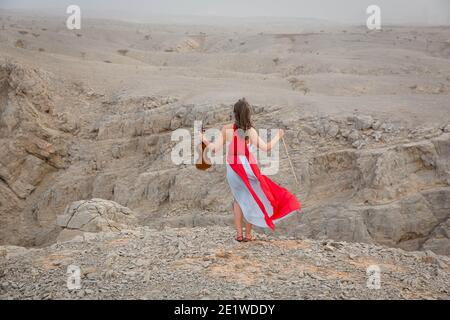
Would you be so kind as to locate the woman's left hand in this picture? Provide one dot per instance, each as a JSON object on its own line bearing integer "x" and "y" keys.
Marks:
{"x": 203, "y": 139}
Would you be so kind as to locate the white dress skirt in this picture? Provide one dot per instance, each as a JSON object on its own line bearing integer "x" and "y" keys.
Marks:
{"x": 241, "y": 194}
{"x": 254, "y": 205}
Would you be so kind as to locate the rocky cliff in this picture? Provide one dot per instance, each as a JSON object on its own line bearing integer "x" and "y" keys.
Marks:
{"x": 363, "y": 178}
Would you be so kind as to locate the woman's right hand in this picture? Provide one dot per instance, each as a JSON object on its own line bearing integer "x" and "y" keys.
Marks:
{"x": 280, "y": 133}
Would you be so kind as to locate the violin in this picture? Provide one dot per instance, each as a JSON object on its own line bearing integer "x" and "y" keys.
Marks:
{"x": 203, "y": 162}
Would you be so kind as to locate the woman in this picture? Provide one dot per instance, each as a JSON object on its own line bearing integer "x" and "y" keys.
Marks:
{"x": 257, "y": 199}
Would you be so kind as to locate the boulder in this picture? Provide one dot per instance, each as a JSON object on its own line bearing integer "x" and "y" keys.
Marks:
{"x": 96, "y": 215}
{"x": 353, "y": 136}
{"x": 8, "y": 252}
{"x": 361, "y": 122}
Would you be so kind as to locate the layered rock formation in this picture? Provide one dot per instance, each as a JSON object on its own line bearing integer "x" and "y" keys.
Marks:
{"x": 33, "y": 148}
{"x": 89, "y": 115}
{"x": 363, "y": 178}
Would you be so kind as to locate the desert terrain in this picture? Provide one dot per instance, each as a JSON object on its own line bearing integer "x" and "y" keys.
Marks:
{"x": 88, "y": 114}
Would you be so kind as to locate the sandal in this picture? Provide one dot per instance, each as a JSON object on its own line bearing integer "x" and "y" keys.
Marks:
{"x": 248, "y": 239}
{"x": 239, "y": 238}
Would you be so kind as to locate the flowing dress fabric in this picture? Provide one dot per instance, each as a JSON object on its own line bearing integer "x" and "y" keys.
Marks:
{"x": 262, "y": 201}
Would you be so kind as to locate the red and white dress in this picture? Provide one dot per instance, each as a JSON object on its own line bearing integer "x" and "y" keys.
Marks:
{"x": 262, "y": 201}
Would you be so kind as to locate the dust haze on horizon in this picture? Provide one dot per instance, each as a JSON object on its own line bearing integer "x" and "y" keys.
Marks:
{"x": 423, "y": 12}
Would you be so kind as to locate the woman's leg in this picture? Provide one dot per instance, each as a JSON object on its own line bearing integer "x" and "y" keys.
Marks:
{"x": 237, "y": 218}
{"x": 248, "y": 230}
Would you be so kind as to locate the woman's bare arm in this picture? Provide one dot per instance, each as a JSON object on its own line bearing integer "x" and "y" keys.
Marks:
{"x": 217, "y": 145}
{"x": 256, "y": 140}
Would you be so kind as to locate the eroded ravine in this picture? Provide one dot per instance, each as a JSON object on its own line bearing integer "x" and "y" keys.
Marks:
{"x": 363, "y": 178}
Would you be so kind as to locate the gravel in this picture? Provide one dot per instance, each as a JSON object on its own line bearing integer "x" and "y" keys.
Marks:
{"x": 206, "y": 263}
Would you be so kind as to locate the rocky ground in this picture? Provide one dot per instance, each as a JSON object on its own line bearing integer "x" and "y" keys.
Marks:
{"x": 206, "y": 263}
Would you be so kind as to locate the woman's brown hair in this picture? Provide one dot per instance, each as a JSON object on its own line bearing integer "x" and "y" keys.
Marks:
{"x": 242, "y": 115}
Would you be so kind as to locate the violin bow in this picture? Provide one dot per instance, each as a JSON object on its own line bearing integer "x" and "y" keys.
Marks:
{"x": 290, "y": 162}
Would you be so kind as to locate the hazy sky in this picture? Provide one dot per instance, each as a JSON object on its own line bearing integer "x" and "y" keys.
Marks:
{"x": 434, "y": 12}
